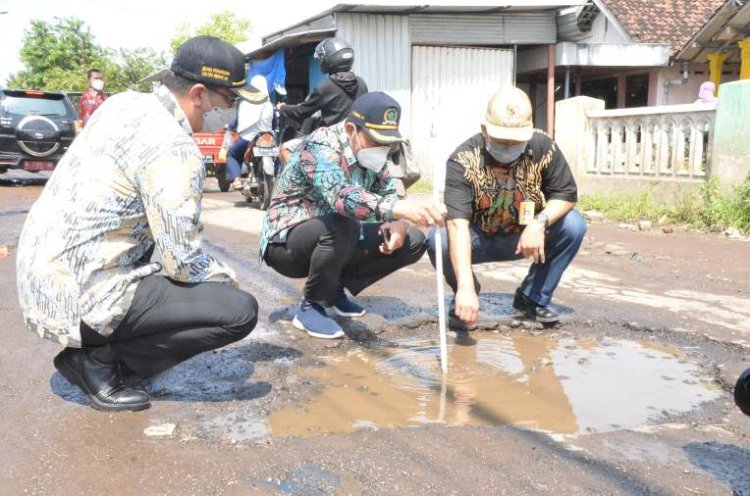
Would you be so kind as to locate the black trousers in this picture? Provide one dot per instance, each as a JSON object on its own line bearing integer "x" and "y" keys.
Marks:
{"x": 328, "y": 251}
{"x": 169, "y": 322}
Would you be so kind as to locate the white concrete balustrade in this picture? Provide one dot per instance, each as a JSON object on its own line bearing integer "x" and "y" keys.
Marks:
{"x": 662, "y": 143}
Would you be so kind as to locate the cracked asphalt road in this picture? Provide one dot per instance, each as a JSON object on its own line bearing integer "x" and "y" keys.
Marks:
{"x": 686, "y": 293}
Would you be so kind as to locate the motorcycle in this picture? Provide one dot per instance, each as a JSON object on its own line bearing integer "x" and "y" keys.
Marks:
{"x": 260, "y": 162}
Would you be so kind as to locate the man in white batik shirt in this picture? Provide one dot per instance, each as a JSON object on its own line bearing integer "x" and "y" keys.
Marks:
{"x": 130, "y": 187}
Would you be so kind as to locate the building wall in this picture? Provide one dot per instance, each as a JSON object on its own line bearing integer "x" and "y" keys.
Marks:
{"x": 384, "y": 48}
{"x": 588, "y": 54}
{"x": 382, "y": 55}
{"x": 450, "y": 105}
{"x": 602, "y": 31}
{"x": 687, "y": 92}
{"x": 513, "y": 28}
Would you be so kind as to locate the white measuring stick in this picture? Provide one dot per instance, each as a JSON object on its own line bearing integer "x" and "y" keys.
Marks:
{"x": 440, "y": 285}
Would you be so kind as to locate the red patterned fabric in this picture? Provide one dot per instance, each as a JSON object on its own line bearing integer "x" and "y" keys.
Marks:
{"x": 90, "y": 101}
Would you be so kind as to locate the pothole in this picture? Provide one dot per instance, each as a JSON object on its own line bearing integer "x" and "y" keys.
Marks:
{"x": 550, "y": 383}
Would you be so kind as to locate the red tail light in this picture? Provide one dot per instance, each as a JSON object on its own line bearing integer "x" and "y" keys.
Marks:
{"x": 34, "y": 93}
{"x": 265, "y": 140}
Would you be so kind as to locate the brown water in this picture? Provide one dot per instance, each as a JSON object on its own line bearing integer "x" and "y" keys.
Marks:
{"x": 561, "y": 385}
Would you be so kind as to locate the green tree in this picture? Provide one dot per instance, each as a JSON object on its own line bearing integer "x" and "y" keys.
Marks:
{"x": 56, "y": 57}
{"x": 131, "y": 66}
{"x": 224, "y": 25}
{"x": 55, "y": 54}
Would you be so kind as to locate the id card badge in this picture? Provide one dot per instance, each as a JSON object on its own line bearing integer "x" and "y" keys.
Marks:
{"x": 526, "y": 213}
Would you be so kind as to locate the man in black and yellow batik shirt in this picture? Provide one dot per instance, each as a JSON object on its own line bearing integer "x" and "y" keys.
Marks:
{"x": 510, "y": 194}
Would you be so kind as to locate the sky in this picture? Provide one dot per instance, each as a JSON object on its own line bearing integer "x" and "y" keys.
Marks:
{"x": 143, "y": 23}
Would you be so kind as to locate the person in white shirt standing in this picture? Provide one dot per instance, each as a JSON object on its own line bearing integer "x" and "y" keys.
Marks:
{"x": 253, "y": 118}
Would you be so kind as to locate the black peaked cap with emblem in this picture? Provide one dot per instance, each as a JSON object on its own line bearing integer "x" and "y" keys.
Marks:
{"x": 378, "y": 114}
{"x": 214, "y": 62}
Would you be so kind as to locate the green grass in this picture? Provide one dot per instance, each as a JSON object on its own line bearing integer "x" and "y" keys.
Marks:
{"x": 423, "y": 186}
{"x": 625, "y": 208}
{"x": 700, "y": 209}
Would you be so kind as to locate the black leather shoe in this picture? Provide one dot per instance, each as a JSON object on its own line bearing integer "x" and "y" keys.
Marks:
{"x": 742, "y": 392}
{"x": 533, "y": 311}
{"x": 97, "y": 373}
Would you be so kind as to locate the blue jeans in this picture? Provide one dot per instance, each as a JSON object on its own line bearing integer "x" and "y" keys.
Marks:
{"x": 235, "y": 156}
{"x": 561, "y": 244}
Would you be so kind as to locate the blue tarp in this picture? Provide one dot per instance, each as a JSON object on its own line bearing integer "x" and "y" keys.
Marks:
{"x": 272, "y": 68}
{"x": 314, "y": 74}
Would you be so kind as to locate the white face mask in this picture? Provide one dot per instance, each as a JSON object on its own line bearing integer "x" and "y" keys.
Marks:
{"x": 218, "y": 118}
{"x": 373, "y": 158}
{"x": 506, "y": 154}
{"x": 97, "y": 84}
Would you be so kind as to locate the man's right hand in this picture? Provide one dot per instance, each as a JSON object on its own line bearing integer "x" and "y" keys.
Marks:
{"x": 420, "y": 212}
{"x": 467, "y": 305}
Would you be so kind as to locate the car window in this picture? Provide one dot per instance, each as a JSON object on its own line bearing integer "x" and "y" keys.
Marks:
{"x": 33, "y": 106}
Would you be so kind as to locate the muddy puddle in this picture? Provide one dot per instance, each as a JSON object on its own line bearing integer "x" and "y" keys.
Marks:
{"x": 561, "y": 385}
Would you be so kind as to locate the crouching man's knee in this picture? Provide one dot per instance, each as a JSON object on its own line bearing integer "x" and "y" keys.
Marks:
{"x": 245, "y": 315}
{"x": 430, "y": 244}
{"x": 574, "y": 225}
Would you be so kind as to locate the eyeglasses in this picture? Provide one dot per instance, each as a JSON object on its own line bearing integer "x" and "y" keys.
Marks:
{"x": 230, "y": 99}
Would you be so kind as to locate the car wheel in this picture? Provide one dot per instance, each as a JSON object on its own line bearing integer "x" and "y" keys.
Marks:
{"x": 38, "y": 136}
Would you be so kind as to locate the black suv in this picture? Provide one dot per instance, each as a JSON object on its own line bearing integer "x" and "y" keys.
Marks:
{"x": 36, "y": 127}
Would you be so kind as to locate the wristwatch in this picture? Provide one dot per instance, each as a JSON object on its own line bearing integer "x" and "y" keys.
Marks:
{"x": 542, "y": 219}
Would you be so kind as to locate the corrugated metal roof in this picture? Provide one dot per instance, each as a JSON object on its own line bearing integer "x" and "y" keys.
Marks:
{"x": 403, "y": 7}
{"x": 293, "y": 39}
{"x": 484, "y": 30}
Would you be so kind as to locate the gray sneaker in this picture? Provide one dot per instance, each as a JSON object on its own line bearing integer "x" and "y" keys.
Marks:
{"x": 312, "y": 319}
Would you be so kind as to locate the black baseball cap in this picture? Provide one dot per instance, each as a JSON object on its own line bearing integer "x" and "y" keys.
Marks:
{"x": 214, "y": 62}
{"x": 378, "y": 114}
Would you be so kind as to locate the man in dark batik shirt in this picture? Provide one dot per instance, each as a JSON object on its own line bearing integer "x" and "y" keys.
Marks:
{"x": 510, "y": 194}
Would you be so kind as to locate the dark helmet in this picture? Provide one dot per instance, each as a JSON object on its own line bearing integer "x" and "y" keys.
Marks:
{"x": 335, "y": 55}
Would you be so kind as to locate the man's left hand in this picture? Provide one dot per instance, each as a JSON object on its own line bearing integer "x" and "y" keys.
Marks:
{"x": 394, "y": 234}
{"x": 531, "y": 244}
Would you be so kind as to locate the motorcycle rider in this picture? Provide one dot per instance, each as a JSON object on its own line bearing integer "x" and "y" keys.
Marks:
{"x": 252, "y": 119}
{"x": 334, "y": 96}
